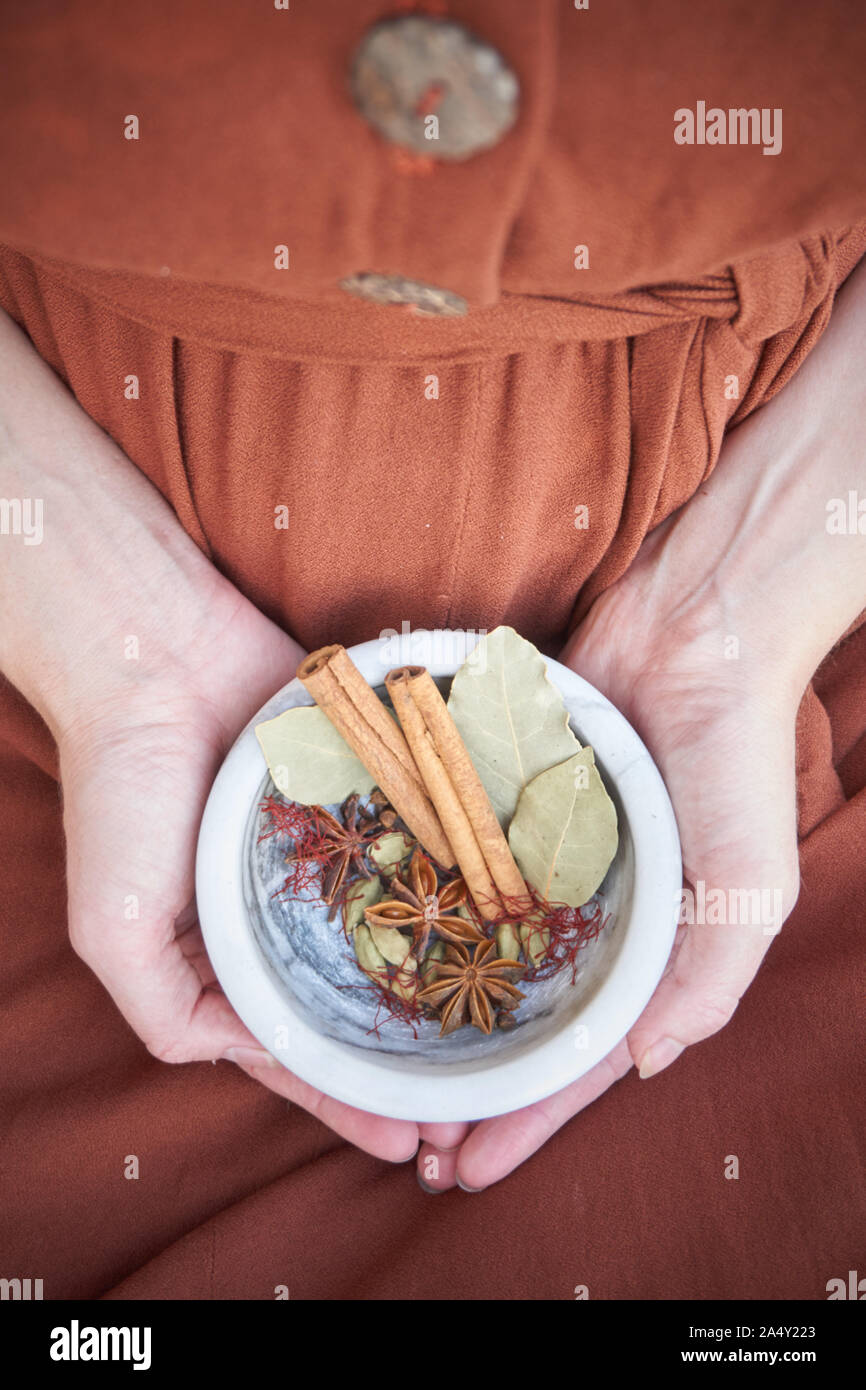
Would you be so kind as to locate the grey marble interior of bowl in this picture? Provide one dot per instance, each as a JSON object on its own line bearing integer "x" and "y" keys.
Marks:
{"x": 315, "y": 965}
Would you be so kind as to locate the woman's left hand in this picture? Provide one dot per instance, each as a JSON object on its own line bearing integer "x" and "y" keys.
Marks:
{"x": 718, "y": 716}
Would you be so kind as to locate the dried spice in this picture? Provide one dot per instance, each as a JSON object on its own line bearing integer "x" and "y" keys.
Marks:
{"x": 309, "y": 760}
{"x": 564, "y": 831}
{"x": 568, "y": 930}
{"x": 427, "y": 970}
{"x": 448, "y": 943}
{"x": 396, "y": 950}
{"x": 471, "y": 985}
{"x": 359, "y": 895}
{"x": 524, "y": 728}
{"x": 355, "y": 710}
{"x": 401, "y": 949}
{"x": 454, "y": 787}
{"x": 322, "y": 843}
{"x": 422, "y": 907}
{"x": 551, "y": 935}
{"x": 370, "y": 958}
{"x": 535, "y": 940}
{"x": 301, "y": 825}
{"x": 508, "y": 940}
{"x": 380, "y": 804}
{"x": 390, "y": 851}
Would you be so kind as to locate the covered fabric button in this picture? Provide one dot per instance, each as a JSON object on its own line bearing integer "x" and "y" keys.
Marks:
{"x": 396, "y": 289}
{"x": 433, "y": 87}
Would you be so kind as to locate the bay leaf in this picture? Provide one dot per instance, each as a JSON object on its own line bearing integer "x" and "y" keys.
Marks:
{"x": 364, "y": 893}
{"x": 309, "y": 760}
{"x": 390, "y": 851}
{"x": 511, "y": 717}
{"x": 564, "y": 831}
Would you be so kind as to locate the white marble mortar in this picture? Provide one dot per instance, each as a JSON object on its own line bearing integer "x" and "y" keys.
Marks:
{"x": 292, "y": 980}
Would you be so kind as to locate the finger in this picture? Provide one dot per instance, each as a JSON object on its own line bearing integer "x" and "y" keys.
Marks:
{"x": 436, "y": 1168}
{"x": 159, "y": 990}
{"x": 129, "y": 882}
{"x": 191, "y": 942}
{"x": 437, "y": 1156}
{"x": 711, "y": 971}
{"x": 739, "y": 841}
{"x": 496, "y": 1147}
{"x": 395, "y": 1141}
{"x": 182, "y": 1022}
{"x": 444, "y": 1136}
{"x": 154, "y": 977}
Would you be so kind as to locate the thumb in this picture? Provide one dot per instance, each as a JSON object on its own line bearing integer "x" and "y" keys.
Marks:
{"x": 712, "y": 966}
{"x": 131, "y": 809}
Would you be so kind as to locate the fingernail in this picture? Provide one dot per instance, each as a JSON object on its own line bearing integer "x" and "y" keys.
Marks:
{"x": 425, "y": 1187}
{"x": 659, "y": 1056}
{"x": 462, "y": 1185}
{"x": 250, "y": 1057}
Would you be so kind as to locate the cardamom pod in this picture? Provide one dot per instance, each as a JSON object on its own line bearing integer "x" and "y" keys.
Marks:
{"x": 390, "y": 851}
{"x": 395, "y": 950}
{"x": 394, "y": 946}
{"x": 535, "y": 938}
{"x": 364, "y": 893}
{"x": 428, "y": 965}
{"x": 405, "y": 979}
{"x": 370, "y": 958}
{"x": 507, "y": 941}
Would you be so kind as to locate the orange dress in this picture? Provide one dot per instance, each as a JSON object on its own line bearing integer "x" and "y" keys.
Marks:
{"x": 431, "y": 467}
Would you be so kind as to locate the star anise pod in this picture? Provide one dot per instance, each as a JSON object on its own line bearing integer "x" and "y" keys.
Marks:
{"x": 342, "y": 847}
{"x": 470, "y": 985}
{"x": 421, "y": 906}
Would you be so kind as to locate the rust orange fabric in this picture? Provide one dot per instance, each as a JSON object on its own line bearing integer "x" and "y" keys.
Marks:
{"x": 561, "y": 388}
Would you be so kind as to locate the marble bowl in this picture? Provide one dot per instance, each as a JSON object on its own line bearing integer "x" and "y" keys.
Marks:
{"x": 292, "y": 977}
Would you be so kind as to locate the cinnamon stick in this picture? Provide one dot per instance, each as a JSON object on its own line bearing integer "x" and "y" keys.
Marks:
{"x": 353, "y": 707}
{"x": 468, "y": 786}
{"x": 400, "y": 685}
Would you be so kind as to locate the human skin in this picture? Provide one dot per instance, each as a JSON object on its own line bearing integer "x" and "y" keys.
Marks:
{"x": 149, "y": 732}
{"x": 747, "y": 557}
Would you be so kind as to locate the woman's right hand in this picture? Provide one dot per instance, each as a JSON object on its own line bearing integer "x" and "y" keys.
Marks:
{"x": 145, "y": 662}
{"x": 135, "y": 773}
